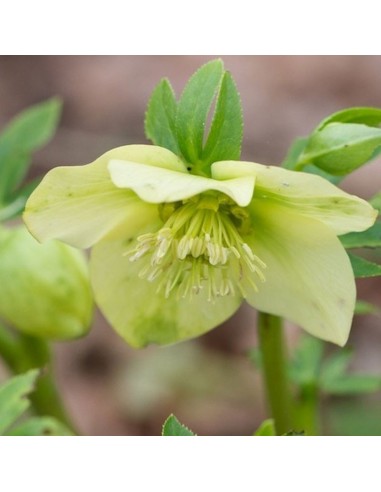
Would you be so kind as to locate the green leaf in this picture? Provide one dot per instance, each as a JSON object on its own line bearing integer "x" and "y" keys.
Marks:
{"x": 292, "y": 158}
{"x": 353, "y": 384}
{"x": 40, "y": 426}
{"x": 160, "y": 119}
{"x": 17, "y": 202}
{"x": 305, "y": 365}
{"x": 363, "y": 308}
{"x": 13, "y": 398}
{"x": 335, "y": 367}
{"x": 371, "y": 238}
{"x": 193, "y": 109}
{"x": 294, "y": 433}
{"x": 267, "y": 428}
{"x": 294, "y": 152}
{"x": 26, "y": 133}
{"x": 172, "y": 427}
{"x": 365, "y": 116}
{"x": 340, "y": 148}
{"x": 375, "y": 201}
{"x": 226, "y": 132}
{"x": 363, "y": 268}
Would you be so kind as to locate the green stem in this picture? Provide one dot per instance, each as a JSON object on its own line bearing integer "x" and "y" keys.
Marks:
{"x": 274, "y": 366}
{"x": 308, "y": 410}
{"x": 21, "y": 353}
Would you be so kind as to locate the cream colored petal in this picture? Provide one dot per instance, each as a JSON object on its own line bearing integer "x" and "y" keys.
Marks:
{"x": 136, "y": 311}
{"x": 309, "y": 279}
{"x": 80, "y": 204}
{"x": 156, "y": 185}
{"x": 306, "y": 194}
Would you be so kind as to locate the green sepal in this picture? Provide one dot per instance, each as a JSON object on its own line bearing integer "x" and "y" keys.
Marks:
{"x": 172, "y": 427}
{"x": 363, "y": 268}
{"x": 225, "y": 137}
{"x": 26, "y": 133}
{"x": 267, "y": 428}
{"x": 13, "y": 398}
{"x": 371, "y": 238}
{"x": 160, "y": 118}
{"x": 193, "y": 109}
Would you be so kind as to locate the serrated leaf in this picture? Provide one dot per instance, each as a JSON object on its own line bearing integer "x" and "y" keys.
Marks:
{"x": 363, "y": 308}
{"x": 363, "y": 268}
{"x": 353, "y": 384}
{"x": 364, "y": 115}
{"x": 160, "y": 119}
{"x": 40, "y": 426}
{"x": 267, "y": 428}
{"x": 193, "y": 109}
{"x": 172, "y": 427}
{"x": 26, "y": 133}
{"x": 225, "y": 137}
{"x": 305, "y": 365}
{"x": 13, "y": 398}
{"x": 340, "y": 148}
{"x": 371, "y": 238}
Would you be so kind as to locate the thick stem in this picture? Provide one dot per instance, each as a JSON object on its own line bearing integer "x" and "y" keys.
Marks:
{"x": 21, "y": 353}
{"x": 274, "y": 367}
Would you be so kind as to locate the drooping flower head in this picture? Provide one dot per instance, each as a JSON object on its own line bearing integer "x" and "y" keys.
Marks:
{"x": 174, "y": 253}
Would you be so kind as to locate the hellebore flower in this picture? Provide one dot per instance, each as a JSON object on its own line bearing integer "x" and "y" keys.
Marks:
{"x": 174, "y": 254}
{"x": 44, "y": 289}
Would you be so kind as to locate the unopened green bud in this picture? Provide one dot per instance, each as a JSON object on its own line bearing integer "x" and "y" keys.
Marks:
{"x": 44, "y": 288}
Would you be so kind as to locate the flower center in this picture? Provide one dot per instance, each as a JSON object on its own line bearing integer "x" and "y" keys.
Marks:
{"x": 200, "y": 247}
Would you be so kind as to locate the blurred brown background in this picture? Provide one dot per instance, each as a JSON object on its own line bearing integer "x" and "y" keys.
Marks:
{"x": 209, "y": 384}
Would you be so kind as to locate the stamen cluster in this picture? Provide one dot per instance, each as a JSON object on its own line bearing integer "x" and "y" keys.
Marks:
{"x": 199, "y": 247}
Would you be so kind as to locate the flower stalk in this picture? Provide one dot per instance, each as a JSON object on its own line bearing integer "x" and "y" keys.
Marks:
{"x": 274, "y": 367}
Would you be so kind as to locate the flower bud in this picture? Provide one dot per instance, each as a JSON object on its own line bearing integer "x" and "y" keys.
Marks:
{"x": 44, "y": 288}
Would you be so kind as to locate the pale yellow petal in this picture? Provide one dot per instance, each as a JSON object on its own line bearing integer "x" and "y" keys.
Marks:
{"x": 80, "y": 204}
{"x": 306, "y": 194}
{"x": 157, "y": 185}
{"x": 309, "y": 279}
{"x": 134, "y": 308}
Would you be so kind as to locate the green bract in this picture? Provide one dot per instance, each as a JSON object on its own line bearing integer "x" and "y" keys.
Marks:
{"x": 174, "y": 254}
{"x": 44, "y": 289}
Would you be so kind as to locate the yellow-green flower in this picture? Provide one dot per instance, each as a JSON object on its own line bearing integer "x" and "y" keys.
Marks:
{"x": 174, "y": 254}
